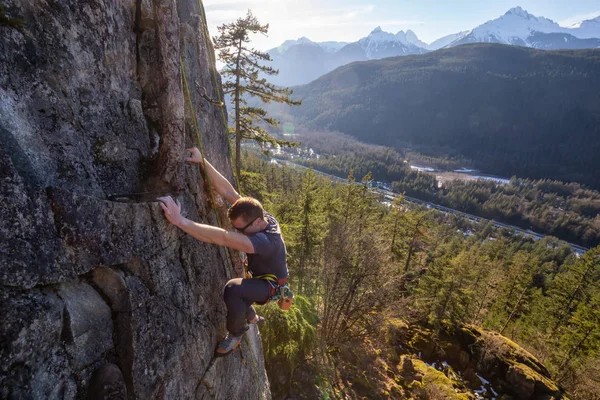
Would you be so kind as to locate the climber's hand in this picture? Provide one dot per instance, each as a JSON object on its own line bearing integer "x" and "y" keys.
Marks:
{"x": 195, "y": 156}
{"x": 172, "y": 210}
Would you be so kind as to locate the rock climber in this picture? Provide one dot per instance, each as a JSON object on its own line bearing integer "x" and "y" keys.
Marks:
{"x": 257, "y": 233}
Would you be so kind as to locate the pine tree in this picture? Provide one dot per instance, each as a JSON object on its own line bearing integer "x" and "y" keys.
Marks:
{"x": 354, "y": 258}
{"x": 583, "y": 336}
{"x": 572, "y": 286}
{"x": 514, "y": 292}
{"x": 245, "y": 72}
{"x": 310, "y": 231}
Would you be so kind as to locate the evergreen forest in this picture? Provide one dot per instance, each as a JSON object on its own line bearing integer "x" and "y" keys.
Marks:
{"x": 379, "y": 289}
{"x": 567, "y": 210}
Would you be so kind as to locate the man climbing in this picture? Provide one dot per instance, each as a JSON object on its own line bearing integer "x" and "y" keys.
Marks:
{"x": 257, "y": 234}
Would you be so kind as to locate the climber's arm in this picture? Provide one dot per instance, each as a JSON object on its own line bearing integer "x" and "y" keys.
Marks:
{"x": 221, "y": 185}
{"x": 213, "y": 234}
{"x": 203, "y": 232}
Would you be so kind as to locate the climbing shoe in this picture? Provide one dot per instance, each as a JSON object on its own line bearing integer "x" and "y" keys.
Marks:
{"x": 228, "y": 345}
{"x": 257, "y": 320}
{"x": 107, "y": 383}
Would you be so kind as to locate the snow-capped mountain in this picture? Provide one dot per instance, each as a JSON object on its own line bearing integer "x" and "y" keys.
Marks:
{"x": 520, "y": 28}
{"x": 302, "y": 60}
{"x": 329, "y": 47}
{"x": 332, "y": 47}
{"x": 298, "y": 61}
{"x": 446, "y": 40}
{"x": 289, "y": 43}
{"x": 409, "y": 38}
{"x": 380, "y": 44}
{"x": 586, "y": 29}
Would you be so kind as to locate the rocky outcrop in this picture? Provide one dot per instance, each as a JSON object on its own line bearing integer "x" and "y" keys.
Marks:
{"x": 93, "y": 104}
{"x": 478, "y": 353}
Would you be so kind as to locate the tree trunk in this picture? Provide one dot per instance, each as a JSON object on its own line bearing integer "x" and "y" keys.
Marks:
{"x": 514, "y": 310}
{"x": 571, "y": 354}
{"x": 412, "y": 244}
{"x": 571, "y": 299}
{"x": 238, "y": 133}
{"x": 483, "y": 298}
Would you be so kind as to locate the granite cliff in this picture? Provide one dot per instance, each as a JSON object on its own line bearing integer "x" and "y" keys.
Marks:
{"x": 93, "y": 104}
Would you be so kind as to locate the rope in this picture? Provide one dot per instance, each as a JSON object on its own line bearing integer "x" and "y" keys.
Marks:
{"x": 207, "y": 179}
{"x": 256, "y": 376}
{"x": 237, "y": 178}
{"x": 216, "y": 85}
{"x": 201, "y": 148}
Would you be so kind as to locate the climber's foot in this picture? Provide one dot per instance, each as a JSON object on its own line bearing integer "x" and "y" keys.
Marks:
{"x": 228, "y": 345}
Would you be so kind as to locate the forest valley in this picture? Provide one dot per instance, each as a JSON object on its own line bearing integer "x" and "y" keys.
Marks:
{"x": 398, "y": 302}
{"x": 569, "y": 211}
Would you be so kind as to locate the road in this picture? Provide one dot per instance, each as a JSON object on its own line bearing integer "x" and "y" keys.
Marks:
{"x": 390, "y": 196}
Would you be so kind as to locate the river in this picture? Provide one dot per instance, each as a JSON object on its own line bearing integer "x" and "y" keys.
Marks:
{"x": 463, "y": 173}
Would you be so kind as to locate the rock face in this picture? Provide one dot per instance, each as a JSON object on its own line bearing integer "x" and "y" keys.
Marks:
{"x": 92, "y": 104}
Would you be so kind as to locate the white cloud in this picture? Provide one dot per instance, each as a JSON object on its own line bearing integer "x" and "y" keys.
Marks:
{"x": 289, "y": 19}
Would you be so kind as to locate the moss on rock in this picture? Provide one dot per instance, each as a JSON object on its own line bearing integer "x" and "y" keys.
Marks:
{"x": 421, "y": 381}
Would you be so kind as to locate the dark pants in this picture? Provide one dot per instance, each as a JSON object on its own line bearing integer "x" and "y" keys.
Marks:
{"x": 239, "y": 296}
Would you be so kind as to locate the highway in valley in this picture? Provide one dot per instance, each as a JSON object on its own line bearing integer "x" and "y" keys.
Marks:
{"x": 390, "y": 196}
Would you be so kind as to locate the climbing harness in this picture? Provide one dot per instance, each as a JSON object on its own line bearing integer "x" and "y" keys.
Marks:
{"x": 279, "y": 290}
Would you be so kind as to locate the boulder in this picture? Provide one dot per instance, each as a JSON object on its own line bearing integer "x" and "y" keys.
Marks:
{"x": 512, "y": 370}
{"x": 87, "y": 324}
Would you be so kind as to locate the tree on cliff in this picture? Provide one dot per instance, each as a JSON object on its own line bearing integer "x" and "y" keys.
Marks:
{"x": 244, "y": 73}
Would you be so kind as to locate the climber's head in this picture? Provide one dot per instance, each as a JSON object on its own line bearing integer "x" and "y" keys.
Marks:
{"x": 246, "y": 215}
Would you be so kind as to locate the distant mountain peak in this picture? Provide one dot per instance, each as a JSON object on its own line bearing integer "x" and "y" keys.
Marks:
{"x": 378, "y": 35}
{"x": 589, "y": 28}
{"x": 592, "y": 21}
{"x": 290, "y": 43}
{"x": 514, "y": 28}
{"x": 304, "y": 39}
{"x": 520, "y": 12}
{"x": 409, "y": 38}
{"x": 446, "y": 40}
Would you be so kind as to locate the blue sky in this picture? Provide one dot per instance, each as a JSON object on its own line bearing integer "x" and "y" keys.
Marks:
{"x": 349, "y": 20}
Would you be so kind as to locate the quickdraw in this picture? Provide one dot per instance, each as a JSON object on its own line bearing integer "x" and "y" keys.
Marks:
{"x": 211, "y": 101}
{"x": 140, "y": 197}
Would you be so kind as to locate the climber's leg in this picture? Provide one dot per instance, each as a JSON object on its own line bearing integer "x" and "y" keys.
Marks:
{"x": 239, "y": 296}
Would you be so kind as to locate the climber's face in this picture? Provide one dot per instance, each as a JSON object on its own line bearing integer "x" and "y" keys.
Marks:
{"x": 245, "y": 227}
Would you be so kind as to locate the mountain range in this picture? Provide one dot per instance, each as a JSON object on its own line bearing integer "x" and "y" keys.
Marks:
{"x": 511, "y": 110}
{"x": 301, "y": 61}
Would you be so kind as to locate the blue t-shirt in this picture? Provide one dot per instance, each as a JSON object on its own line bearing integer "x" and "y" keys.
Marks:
{"x": 269, "y": 251}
